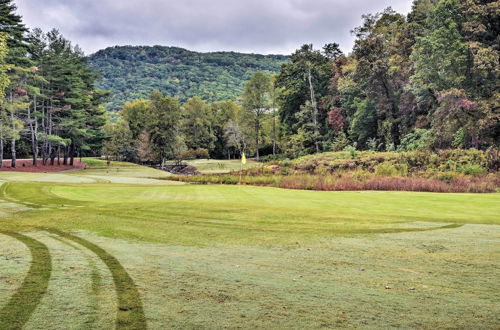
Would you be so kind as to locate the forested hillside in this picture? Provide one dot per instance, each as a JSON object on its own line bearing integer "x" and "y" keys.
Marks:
{"x": 134, "y": 72}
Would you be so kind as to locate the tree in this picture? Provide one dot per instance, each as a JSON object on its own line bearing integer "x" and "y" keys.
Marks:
{"x": 163, "y": 126}
{"x": 236, "y": 135}
{"x": 440, "y": 56}
{"x": 303, "y": 96}
{"x": 66, "y": 103}
{"x": 197, "y": 125}
{"x": 4, "y": 82}
{"x": 17, "y": 101}
{"x": 382, "y": 51}
{"x": 11, "y": 24}
{"x": 120, "y": 142}
{"x": 273, "y": 96}
{"x": 221, "y": 113}
{"x": 363, "y": 123}
{"x": 456, "y": 120}
{"x": 256, "y": 102}
{"x": 293, "y": 80}
{"x": 135, "y": 113}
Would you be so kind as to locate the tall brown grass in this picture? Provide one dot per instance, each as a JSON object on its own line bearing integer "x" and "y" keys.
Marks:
{"x": 346, "y": 182}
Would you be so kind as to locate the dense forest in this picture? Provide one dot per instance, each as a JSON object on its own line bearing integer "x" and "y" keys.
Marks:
{"x": 134, "y": 72}
{"x": 427, "y": 80}
{"x": 49, "y": 106}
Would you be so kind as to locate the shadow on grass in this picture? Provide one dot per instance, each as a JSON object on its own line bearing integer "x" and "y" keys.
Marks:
{"x": 130, "y": 313}
{"x": 21, "y": 305}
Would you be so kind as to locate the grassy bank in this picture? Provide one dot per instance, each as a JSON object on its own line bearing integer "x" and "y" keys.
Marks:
{"x": 458, "y": 171}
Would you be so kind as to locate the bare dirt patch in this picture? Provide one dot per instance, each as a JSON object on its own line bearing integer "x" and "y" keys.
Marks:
{"x": 26, "y": 165}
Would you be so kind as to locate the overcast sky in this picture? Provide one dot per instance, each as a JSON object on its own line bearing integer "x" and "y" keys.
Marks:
{"x": 253, "y": 26}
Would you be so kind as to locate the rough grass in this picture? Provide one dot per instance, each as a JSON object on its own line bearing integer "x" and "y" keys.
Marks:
{"x": 212, "y": 256}
{"x": 212, "y": 166}
{"x": 349, "y": 182}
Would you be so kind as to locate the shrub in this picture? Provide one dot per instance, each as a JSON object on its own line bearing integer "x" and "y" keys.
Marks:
{"x": 419, "y": 139}
{"x": 386, "y": 169}
{"x": 353, "y": 153}
{"x": 472, "y": 169}
{"x": 340, "y": 142}
{"x": 447, "y": 176}
{"x": 360, "y": 175}
{"x": 285, "y": 171}
{"x": 230, "y": 180}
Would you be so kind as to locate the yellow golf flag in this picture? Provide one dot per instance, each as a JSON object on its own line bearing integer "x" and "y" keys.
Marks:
{"x": 243, "y": 159}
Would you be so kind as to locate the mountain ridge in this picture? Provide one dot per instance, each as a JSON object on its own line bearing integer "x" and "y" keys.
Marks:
{"x": 132, "y": 72}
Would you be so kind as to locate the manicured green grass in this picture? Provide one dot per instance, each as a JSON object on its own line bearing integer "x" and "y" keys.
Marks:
{"x": 130, "y": 313}
{"x": 212, "y": 256}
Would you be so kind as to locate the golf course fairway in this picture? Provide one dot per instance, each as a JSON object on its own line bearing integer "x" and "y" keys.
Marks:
{"x": 123, "y": 247}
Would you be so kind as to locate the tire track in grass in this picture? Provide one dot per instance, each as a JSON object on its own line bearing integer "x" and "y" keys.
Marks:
{"x": 23, "y": 303}
{"x": 96, "y": 279}
{"x": 130, "y": 312}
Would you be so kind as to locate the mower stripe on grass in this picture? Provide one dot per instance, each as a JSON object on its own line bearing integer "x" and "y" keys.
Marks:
{"x": 130, "y": 313}
{"x": 96, "y": 279}
{"x": 22, "y": 304}
{"x": 4, "y": 195}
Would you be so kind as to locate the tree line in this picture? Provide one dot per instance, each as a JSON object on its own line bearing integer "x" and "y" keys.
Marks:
{"x": 49, "y": 105}
{"x": 427, "y": 80}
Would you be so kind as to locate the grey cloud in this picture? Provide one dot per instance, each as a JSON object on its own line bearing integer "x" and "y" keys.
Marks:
{"x": 260, "y": 26}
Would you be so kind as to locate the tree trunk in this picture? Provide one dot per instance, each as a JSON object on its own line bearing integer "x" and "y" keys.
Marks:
{"x": 33, "y": 131}
{"x": 65, "y": 160}
{"x": 13, "y": 146}
{"x": 52, "y": 156}
{"x": 257, "y": 129}
{"x": 45, "y": 138}
{"x": 274, "y": 131}
{"x": 13, "y": 142}
{"x": 50, "y": 153}
{"x": 72, "y": 154}
{"x": 314, "y": 110}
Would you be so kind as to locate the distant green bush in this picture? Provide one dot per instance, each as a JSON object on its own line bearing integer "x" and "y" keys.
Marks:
{"x": 417, "y": 140}
{"x": 386, "y": 169}
{"x": 472, "y": 169}
{"x": 352, "y": 151}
